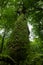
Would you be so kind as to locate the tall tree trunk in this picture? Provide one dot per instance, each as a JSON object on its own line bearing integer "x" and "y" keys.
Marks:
{"x": 2, "y": 42}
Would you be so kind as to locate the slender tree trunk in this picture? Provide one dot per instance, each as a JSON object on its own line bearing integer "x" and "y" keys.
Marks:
{"x": 2, "y": 42}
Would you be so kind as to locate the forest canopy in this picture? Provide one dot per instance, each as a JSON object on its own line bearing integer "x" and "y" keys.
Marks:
{"x": 16, "y": 45}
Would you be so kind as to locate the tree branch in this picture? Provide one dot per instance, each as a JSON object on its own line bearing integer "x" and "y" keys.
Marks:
{"x": 7, "y": 59}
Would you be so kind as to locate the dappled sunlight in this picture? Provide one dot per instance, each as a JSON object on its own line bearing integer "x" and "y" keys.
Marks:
{"x": 31, "y": 32}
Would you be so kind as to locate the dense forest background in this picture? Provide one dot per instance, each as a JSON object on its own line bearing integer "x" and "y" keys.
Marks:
{"x": 21, "y": 32}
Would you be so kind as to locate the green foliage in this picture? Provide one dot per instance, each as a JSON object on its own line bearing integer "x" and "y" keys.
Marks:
{"x": 14, "y": 15}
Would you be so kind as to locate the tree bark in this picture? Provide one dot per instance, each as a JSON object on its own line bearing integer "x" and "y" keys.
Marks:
{"x": 2, "y": 42}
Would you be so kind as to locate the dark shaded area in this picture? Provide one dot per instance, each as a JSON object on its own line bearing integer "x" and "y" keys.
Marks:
{"x": 7, "y": 60}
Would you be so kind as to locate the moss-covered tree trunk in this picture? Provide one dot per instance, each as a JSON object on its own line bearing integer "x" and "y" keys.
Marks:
{"x": 19, "y": 40}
